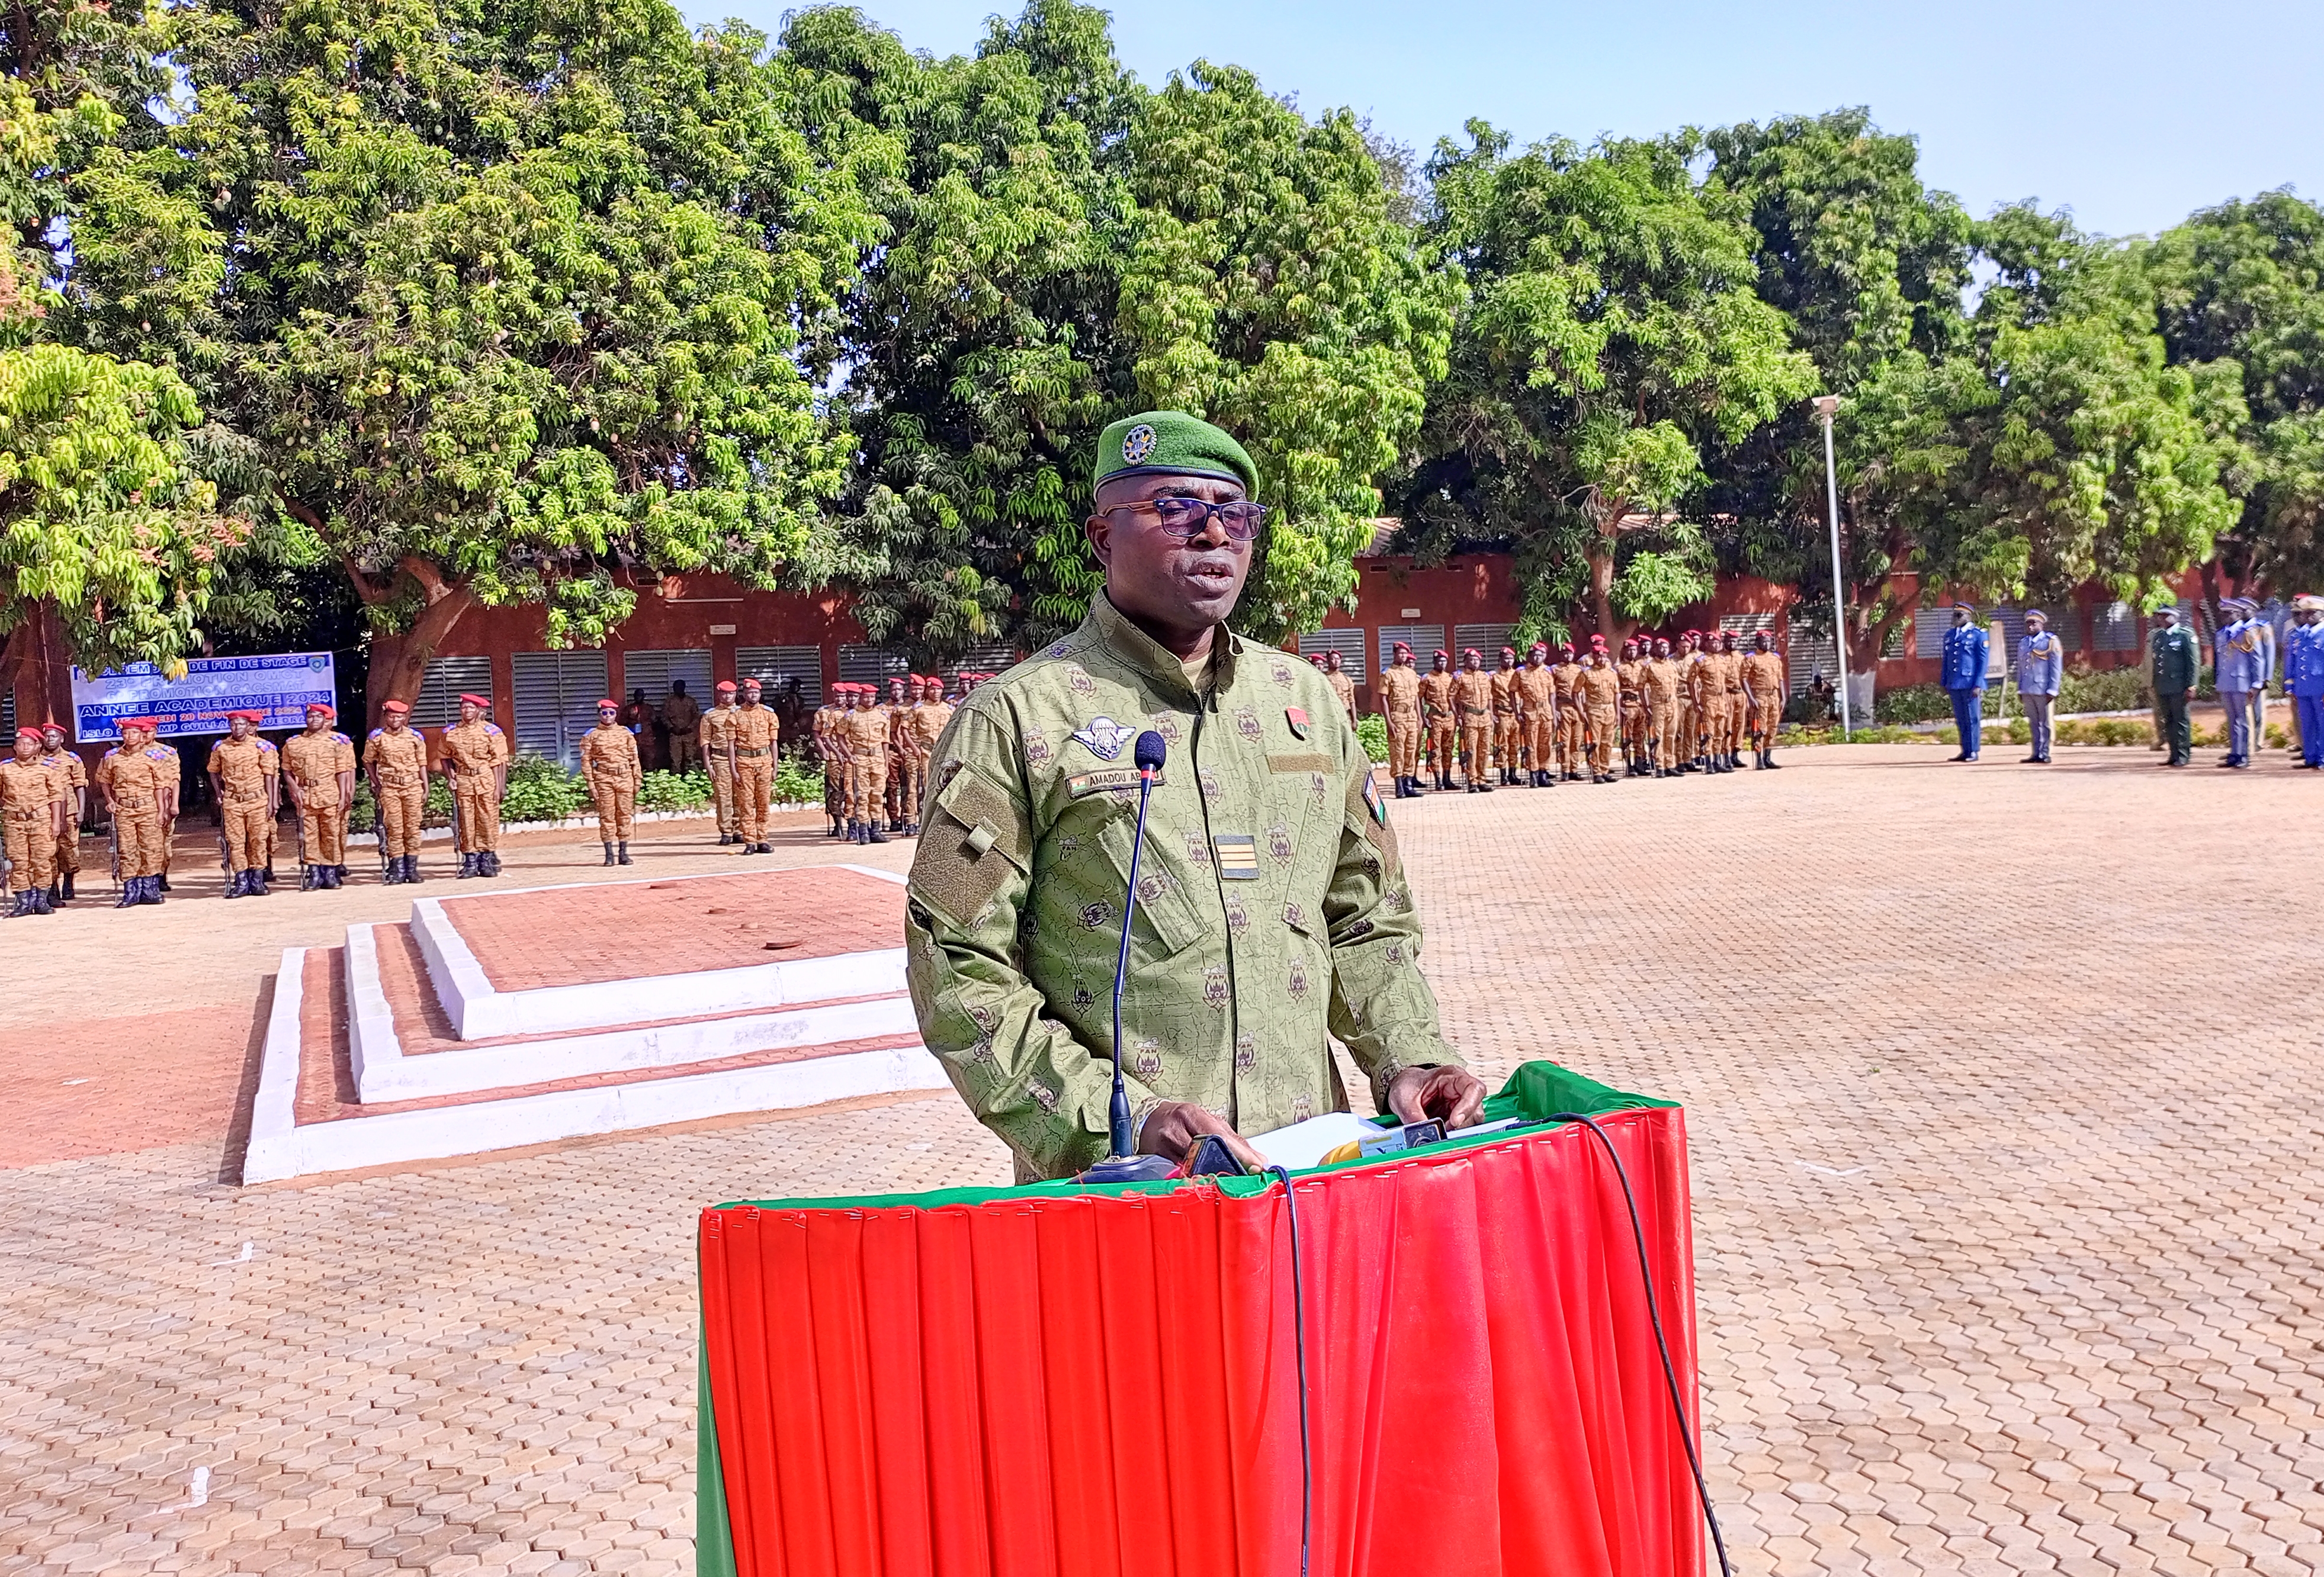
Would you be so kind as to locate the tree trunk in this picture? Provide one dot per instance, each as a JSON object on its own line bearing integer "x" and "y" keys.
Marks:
{"x": 399, "y": 663}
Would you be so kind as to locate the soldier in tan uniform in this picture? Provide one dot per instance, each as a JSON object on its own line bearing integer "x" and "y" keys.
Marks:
{"x": 1572, "y": 719}
{"x": 864, "y": 731}
{"x": 395, "y": 757}
{"x": 610, "y": 763}
{"x": 318, "y": 769}
{"x": 1661, "y": 693}
{"x": 475, "y": 754}
{"x": 712, "y": 737}
{"x": 1735, "y": 702}
{"x": 1335, "y": 674}
{"x": 32, "y": 816}
{"x": 1439, "y": 716}
{"x": 924, "y": 723}
{"x": 1628, "y": 673}
{"x": 892, "y": 713}
{"x": 1472, "y": 695}
{"x": 681, "y": 720}
{"x": 751, "y": 742}
{"x": 246, "y": 781}
{"x": 71, "y": 775}
{"x": 139, "y": 780}
{"x": 1702, "y": 703}
{"x": 1508, "y": 738}
{"x": 1602, "y": 696}
{"x": 1763, "y": 685}
{"x": 1536, "y": 694}
{"x": 832, "y": 754}
{"x": 1400, "y": 705}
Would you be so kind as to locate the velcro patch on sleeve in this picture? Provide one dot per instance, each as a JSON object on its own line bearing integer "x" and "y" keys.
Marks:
{"x": 1309, "y": 761}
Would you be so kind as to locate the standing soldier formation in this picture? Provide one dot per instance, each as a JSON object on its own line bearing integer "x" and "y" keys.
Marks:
{"x": 1764, "y": 690}
{"x": 712, "y": 738}
{"x": 476, "y": 758}
{"x": 395, "y": 758}
{"x": 610, "y": 763}
{"x": 681, "y": 722}
{"x": 319, "y": 770}
{"x": 33, "y": 814}
{"x": 71, "y": 780}
{"x": 1440, "y": 717}
{"x": 1472, "y": 695}
{"x": 751, "y": 741}
{"x": 1400, "y": 705}
{"x": 1335, "y": 674}
{"x": 245, "y": 775}
{"x": 864, "y": 734}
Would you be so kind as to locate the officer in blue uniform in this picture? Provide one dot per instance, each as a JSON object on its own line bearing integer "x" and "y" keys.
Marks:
{"x": 1963, "y": 678}
{"x": 2041, "y": 668}
{"x": 2235, "y": 659}
{"x": 2303, "y": 676}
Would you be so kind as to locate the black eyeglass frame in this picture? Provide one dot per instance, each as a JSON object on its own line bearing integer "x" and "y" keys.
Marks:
{"x": 1195, "y": 515}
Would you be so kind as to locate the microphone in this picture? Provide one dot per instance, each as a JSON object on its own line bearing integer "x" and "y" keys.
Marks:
{"x": 1122, "y": 1166}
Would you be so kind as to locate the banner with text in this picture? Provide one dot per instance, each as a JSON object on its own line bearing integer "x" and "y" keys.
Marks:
{"x": 280, "y": 685}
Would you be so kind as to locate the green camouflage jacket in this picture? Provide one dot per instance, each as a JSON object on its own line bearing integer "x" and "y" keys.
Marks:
{"x": 1272, "y": 906}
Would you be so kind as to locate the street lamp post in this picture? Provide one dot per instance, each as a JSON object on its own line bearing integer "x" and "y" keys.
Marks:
{"x": 1826, "y": 405}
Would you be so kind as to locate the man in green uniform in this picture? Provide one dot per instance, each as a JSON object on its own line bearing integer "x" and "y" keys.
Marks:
{"x": 2175, "y": 666}
{"x": 1272, "y": 907}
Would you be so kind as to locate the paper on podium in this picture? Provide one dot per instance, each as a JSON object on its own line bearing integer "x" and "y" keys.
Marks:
{"x": 1304, "y": 1145}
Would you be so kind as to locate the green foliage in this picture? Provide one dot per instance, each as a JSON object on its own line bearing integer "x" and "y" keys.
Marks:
{"x": 689, "y": 791}
{"x": 1371, "y": 733}
{"x": 1062, "y": 246}
{"x": 799, "y": 781}
{"x": 2239, "y": 290}
{"x": 106, "y": 518}
{"x": 514, "y": 295}
{"x": 1912, "y": 703}
{"x": 2114, "y": 689}
{"x": 540, "y": 789}
{"x": 1611, "y": 334}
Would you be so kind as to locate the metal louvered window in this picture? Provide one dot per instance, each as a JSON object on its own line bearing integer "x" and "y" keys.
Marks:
{"x": 1423, "y": 639}
{"x": 1929, "y": 627}
{"x": 8, "y": 713}
{"x": 557, "y": 697}
{"x": 1808, "y": 654}
{"x": 652, "y": 671}
{"x": 1892, "y": 644}
{"x": 984, "y": 659}
{"x": 773, "y": 665}
{"x": 438, "y": 704}
{"x": 872, "y": 665}
{"x": 1348, "y": 644}
{"x": 2114, "y": 628}
{"x": 1485, "y": 640}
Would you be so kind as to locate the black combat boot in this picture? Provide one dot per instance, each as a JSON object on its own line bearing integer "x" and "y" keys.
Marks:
{"x": 872, "y": 834}
{"x": 609, "y": 854}
{"x": 338, "y": 875}
{"x": 623, "y": 857}
{"x": 491, "y": 861}
{"x": 162, "y": 884}
{"x": 1767, "y": 759}
{"x": 467, "y": 867}
{"x": 307, "y": 882}
{"x": 69, "y": 894}
{"x": 153, "y": 890}
{"x": 236, "y": 887}
{"x": 55, "y": 892}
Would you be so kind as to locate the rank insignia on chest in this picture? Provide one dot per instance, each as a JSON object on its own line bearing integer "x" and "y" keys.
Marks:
{"x": 1238, "y": 856}
{"x": 1296, "y": 716}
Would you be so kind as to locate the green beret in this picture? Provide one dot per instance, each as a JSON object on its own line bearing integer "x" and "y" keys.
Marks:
{"x": 1170, "y": 442}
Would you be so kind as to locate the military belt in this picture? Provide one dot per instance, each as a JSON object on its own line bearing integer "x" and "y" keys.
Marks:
{"x": 744, "y": 750}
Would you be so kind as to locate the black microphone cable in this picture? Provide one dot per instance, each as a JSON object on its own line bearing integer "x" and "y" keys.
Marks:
{"x": 1299, "y": 1349}
{"x": 1662, "y": 1344}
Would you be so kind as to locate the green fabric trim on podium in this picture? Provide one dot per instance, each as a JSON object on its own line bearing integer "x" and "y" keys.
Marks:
{"x": 919, "y": 1390}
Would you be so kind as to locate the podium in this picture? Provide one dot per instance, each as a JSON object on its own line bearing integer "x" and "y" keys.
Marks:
{"x": 1070, "y": 1381}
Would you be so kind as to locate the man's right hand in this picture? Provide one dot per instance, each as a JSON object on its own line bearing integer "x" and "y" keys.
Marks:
{"x": 1172, "y": 1128}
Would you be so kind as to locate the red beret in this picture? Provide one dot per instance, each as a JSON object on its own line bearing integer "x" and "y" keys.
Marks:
{"x": 324, "y": 707}
{"x": 396, "y": 706}
{"x": 1401, "y": 646}
{"x": 1597, "y": 642}
{"x": 609, "y": 701}
{"x": 138, "y": 722}
{"x": 725, "y": 684}
{"x": 29, "y": 731}
{"x": 752, "y": 681}
{"x": 253, "y": 714}
{"x": 466, "y": 700}
{"x": 1538, "y": 646}
{"x": 1508, "y": 652}
{"x": 1467, "y": 654}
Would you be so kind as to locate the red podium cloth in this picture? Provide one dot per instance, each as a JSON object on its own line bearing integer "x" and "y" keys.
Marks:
{"x": 1022, "y": 1383}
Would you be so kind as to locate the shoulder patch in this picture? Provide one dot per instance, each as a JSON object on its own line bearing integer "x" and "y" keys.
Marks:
{"x": 491, "y": 728}
{"x": 375, "y": 733}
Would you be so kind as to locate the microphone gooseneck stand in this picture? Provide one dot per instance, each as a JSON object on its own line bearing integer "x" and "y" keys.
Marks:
{"x": 1123, "y": 1165}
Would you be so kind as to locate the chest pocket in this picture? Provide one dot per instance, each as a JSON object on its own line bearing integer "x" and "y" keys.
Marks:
{"x": 1087, "y": 866}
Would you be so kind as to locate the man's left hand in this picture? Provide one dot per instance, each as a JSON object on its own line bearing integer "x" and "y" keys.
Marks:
{"x": 1454, "y": 1097}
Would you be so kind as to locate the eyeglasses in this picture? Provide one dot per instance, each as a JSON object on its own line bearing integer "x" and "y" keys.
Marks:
{"x": 1188, "y": 517}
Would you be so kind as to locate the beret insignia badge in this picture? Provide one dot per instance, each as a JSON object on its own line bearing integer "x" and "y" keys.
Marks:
{"x": 1136, "y": 444}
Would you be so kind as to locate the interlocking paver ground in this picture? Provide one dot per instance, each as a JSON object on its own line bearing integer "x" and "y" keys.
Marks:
{"x": 2003, "y": 1088}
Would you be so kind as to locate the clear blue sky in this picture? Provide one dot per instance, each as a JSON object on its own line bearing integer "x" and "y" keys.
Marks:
{"x": 2132, "y": 113}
